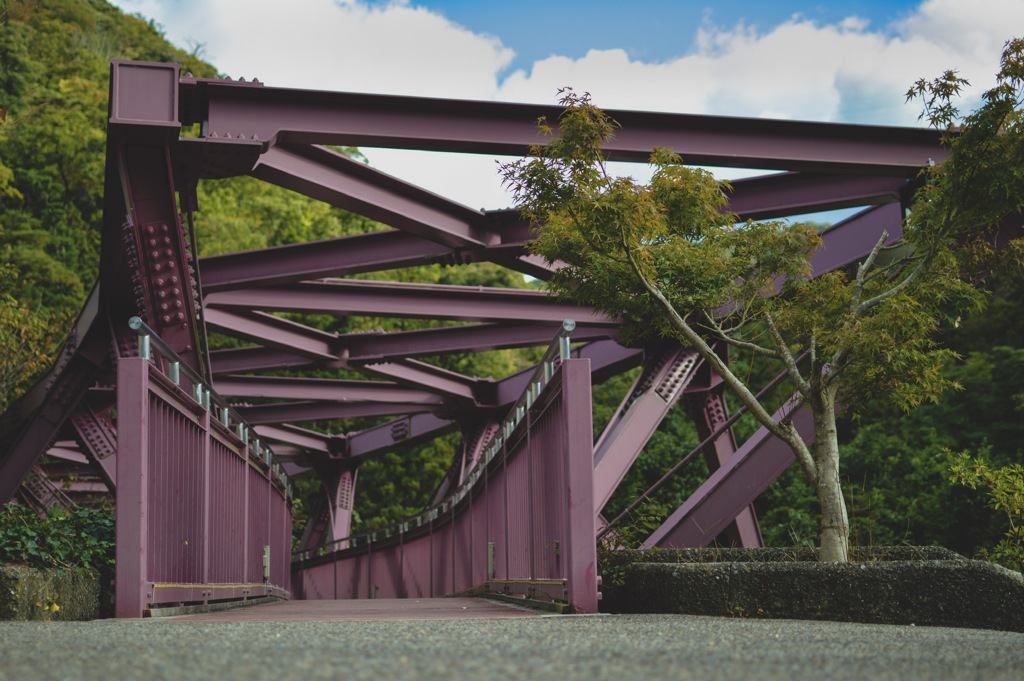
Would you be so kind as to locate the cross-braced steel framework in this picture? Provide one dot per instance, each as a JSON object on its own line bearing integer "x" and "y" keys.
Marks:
{"x": 149, "y": 268}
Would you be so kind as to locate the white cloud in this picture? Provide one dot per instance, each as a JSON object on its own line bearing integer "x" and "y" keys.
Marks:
{"x": 350, "y": 45}
{"x": 849, "y": 71}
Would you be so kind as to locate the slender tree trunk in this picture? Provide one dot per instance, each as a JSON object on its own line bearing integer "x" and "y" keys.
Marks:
{"x": 835, "y": 525}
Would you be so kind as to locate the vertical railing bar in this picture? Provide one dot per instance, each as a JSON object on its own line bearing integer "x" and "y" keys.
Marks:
{"x": 202, "y": 393}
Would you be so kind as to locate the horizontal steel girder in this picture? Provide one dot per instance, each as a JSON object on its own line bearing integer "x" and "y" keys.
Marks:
{"x": 308, "y": 440}
{"x": 374, "y": 252}
{"x": 377, "y": 347}
{"x": 757, "y": 198}
{"x": 297, "y": 412}
{"x": 323, "y": 390}
{"x": 339, "y": 257}
{"x": 410, "y": 430}
{"x": 422, "y": 301}
{"x": 339, "y": 181}
{"x": 427, "y": 377}
{"x": 785, "y": 194}
{"x": 274, "y": 332}
{"x": 311, "y": 117}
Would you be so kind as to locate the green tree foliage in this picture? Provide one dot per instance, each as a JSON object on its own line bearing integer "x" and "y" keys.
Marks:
{"x": 668, "y": 257}
{"x": 55, "y": 60}
{"x": 71, "y": 540}
{"x": 1005, "y": 486}
{"x": 25, "y": 336}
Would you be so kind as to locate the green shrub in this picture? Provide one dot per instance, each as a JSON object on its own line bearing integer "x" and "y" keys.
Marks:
{"x": 74, "y": 540}
{"x": 1005, "y": 486}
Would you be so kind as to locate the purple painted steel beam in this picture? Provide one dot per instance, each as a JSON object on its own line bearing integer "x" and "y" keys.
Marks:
{"x": 731, "y": 488}
{"x": 578, "y": 494}
{"x": 97, "y": 436}
{"x": 427, "y": 378}
{"x": 32, "y": 423}
{"x": 372, "y": 252}
{"x": 317, "y": 524}
{"x": 478, "y": 337}
{"x": 666, "y": 374}
{"x": 330, "y": 177}
{"x": 756, "y": 198}
{"x": 332, "y": 519}
{"x": 301, "y": 438}
{"x": 342, "y": 490}
{"x": 368, "y": 347}
{"x": 709, "y": 411}
{"x": 133, "y": 475}
{"x": 244, "y": 360}
{"x": 297, "y": 412}
{"x": 323, "y": 390}
{"x": 145, "y": 263}
{"x": 607, "y": 359}
{"x": 783, "y": 194}
{"x": 85, "y": 487}
{"x": 274, "y": 332}
{"x": 408, "y": 430}
{"x": 40, "y": 493}
{"x": 303, "y": 116}
{"x": 851, "y": 240}
{"x": 67, "y": 451}
{"x": 476, "y": 434}
{"x": 422, "y": 301}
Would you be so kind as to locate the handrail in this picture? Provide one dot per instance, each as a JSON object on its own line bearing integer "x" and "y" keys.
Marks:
{"x": 205, "y": 396}
{"x": 558, "y": 351}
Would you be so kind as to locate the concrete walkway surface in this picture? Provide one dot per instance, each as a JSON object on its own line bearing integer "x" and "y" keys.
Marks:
{"x": 566, "y": 648}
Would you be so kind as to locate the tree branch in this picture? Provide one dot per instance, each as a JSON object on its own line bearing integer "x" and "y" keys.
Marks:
{"x": 862, "y": 270}
{"x": 723, "y": 336}
{"x": 787, "y": 358}
{"x": 863, "y": 308}
{"x": 784, "y": 431}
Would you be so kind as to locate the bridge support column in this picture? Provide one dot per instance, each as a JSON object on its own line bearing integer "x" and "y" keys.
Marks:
{"x": 331, "y": 519}
{"x": 132, "y": 517}
{"x": 709, "y": 411}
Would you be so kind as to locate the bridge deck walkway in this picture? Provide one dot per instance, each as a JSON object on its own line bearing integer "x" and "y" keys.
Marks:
{"x": 364, "y": 609}
{"x": 559, "y": 648}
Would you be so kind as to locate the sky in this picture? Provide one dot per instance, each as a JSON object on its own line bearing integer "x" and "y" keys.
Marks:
{"x": 849, "y": 61}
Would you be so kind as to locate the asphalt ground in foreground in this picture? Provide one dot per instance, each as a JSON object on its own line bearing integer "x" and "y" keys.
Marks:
{"x": 633, "y": 647}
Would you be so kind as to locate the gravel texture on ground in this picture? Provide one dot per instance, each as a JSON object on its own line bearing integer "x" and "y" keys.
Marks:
{"x": 588, "y": 648}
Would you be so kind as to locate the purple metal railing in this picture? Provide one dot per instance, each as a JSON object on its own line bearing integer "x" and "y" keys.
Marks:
{"x": 521, "y": 523}
{"x": 203, "y": 512}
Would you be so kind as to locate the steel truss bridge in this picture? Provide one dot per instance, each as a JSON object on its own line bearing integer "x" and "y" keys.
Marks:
{"x": 197, "y": 445}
